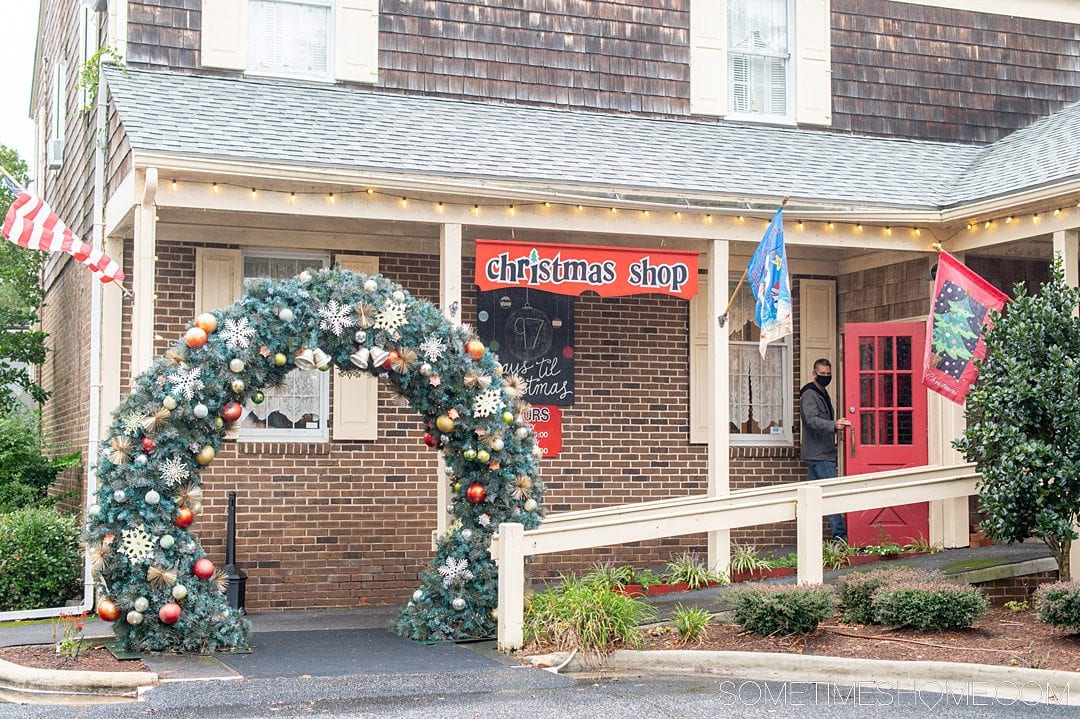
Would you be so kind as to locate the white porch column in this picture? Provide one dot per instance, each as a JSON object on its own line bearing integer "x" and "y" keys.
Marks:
{"x": 719, "y": 454}
{"x": 450, "y": 300}
{"x": 145, "y": 266}
{"x": 948, "y": 517}
{"x": 111, "y": 342}
{"x": 1067, "y": 246}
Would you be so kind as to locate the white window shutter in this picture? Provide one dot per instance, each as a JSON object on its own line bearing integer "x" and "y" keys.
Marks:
{"x": 219, "y": 278}
{"x": 813, "y": 71}
{"x": 708, "y": 57}
{"x": 224, "y": 34}
{"x": 356, "y": 40}
{"x": 700, "y": 405}
{"x": 356, "y": 399}
{"x": 817, "y": 329}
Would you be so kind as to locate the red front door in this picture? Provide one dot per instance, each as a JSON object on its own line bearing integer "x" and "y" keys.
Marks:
{"x": 886, "y": 402}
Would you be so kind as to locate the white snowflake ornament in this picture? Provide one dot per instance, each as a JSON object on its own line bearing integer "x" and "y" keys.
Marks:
{"x": 391, "y": 318}
{"x": 131, "y": 423}
{"x": 174, "y": 471}
{"x": 336, "y": 318}
{"x": 487, "y": 403}
{"x": 455, "y": 570}
{"x": 433, "y": 348}
{"x": 237, "y": 334}
{"x": 187, "y": 381}
{"x": 136, "y": 544}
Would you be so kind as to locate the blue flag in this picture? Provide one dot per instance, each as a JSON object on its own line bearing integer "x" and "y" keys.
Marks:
{"x": 769, "y": 281}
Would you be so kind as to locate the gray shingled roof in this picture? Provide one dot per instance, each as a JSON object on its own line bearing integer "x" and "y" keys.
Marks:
{"x": 327, "y": 126}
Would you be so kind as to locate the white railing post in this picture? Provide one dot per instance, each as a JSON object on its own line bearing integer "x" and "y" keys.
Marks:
{"x": 511, "y": 586}
{"x": 808, "y": 520}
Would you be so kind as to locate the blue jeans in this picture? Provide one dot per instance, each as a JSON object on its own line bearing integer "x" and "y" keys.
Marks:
{"x": 817, "y": 469}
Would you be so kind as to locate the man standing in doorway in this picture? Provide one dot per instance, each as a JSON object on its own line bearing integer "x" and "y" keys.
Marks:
{"x": 819, "y": 427}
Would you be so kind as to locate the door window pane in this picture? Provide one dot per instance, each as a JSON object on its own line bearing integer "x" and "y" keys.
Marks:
{"x": 866, "y": 353}
{"x": 866, "y": 428}
{"x": 885, "y": 428}
{"x": 905, "y": 431}
{"x": 885, "y": 353}
{"x": 885, "y": 390}
{"x": 903, "y": 353}
{"x": 903, "y": 390}
{"x": 866, "y": 391}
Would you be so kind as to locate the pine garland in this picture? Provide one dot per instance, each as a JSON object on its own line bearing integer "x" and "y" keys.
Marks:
{"x": 471, "y": 413}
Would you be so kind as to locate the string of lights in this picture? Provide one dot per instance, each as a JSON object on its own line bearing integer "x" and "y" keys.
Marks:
{"x": 704, "y": 214}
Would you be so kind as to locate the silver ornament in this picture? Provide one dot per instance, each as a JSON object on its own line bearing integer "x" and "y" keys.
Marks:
{"x": 141, "y": 459}
{"x": 497, "y": 444}
{"x": 238, "y": 386}
{"x": 521, "y": 432}
{"x": 530, "y": 505}
{"x": 371, "y": 285}
{"x": 152, "y": 497}
{"x": 450, "y": 509}
{"x": 426, "y": 369}
{"x": 119, "y": 496}
{"x": 537, "y": 453}
{"x": 360, "y": 336}
{"x": 361, "y": 358}
{"x": 450, "y": 471}
{"x": 379, "y": 356}
{"x": 95, "y": 510}
{"x": 236, "y": 364}
{"x": 322, "y": 360}
{"x": 142, "y": 604}
{"x": 458, "y": 603}
{"x": 179, "y": 591}
{"x": 306, "y": 359}
{"x": 285, "y": 314}
{"x": 200, "y": 411}
{"x": 417, "y": 595}
{"x": 305, "y": 276}
{"x": 169, "y": 403}
{"x": 134, "y": 617}
{"x": 398, "y": 296}
{"x": 167, "y": 541}
{"x": 466, "y": 535}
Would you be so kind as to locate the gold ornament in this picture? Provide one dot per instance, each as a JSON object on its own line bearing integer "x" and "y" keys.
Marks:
{"x": 406, "y": 359}
{"x": 160, "y": 577}
{"x": 365, "y": 315}
{"x": 219, "y": 581}
{"x": 492, "y": 439}
{"x": 175, "y": 358}
{"x": 120, "y": 449}
{"x": 189, "y": 495}
{"x": 96, "y": 554}
{"x": 153, "y": 422}
{"x": 206, "y": 455}
{"x": 514, "y": 386}
{"x": 522, "y": 487}
{"x": 498, "y": 370}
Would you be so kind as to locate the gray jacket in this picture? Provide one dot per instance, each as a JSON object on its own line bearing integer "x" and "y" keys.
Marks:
{"x": 818, "y": 425}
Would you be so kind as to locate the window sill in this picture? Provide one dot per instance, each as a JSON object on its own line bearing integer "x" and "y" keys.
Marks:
{"x": 291, "y": 448}
{"x": 761, "y": 119}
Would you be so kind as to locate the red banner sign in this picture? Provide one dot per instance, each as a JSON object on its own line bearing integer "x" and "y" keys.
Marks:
{"x": 574, "y": 269}
{"x": 546, "y": 420}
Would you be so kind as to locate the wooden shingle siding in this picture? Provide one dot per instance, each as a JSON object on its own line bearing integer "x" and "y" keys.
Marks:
{"x": 935, "y": 73}
{"x": 164, "y": 33}
{"x": 630, "y": 56}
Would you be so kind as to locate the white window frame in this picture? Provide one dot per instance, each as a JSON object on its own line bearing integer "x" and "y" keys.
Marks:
{"x": 787, "y": 437}
{"x": 328, "y": 74}
{"x": 281, "y": 434}
{"x": 790, "y": 78}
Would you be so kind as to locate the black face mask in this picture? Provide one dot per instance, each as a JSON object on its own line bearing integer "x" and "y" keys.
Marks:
{"x": 824, "y": 379}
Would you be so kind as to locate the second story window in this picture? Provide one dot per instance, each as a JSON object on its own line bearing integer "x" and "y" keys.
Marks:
{"x": 759, "y": 58}
{"x": 290, "y": 38}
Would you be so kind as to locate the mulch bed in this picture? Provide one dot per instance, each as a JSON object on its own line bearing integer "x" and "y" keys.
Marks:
{"x": 1002, "y": 637}
{"x": 93, "y": 659}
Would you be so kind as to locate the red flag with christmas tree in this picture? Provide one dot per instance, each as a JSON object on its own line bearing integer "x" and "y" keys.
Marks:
{"x": 961, "y": 302}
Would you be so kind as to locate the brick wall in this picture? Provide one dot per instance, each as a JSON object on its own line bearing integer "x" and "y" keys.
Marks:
{"x": 329, "y": 524}
{"x": 1016, "y": 589}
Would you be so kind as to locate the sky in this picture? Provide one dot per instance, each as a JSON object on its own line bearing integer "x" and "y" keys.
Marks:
{"x": 17, "y": 63}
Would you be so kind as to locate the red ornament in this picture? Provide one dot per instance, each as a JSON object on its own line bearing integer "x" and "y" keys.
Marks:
{"x": 476, "y": 493}
{"x": 195, "y": 337}
{"x": 390, "y": 360}
{"x": 148, "y": 444}
{"x": 184, "y": 518}
{"x": 169, "y": 613}
{"x": 475, "y": 348}
{"x": 203, "y": 568}
{"x": 431, "y": 440}
{"x": 232, "y": 411}
{"x": 108, "y": 611}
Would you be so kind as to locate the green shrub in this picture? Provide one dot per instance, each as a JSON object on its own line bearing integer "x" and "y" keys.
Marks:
{"x": 586, "y": 616}
{"x": 40, "y": 561}
{"x": 745, "y": 558}
{"x": 783, "y": 561}
{"x": 857, "y": 589}
{"x": 835, "y": 553}
{"x": 610, "y": 575}
{"x": 925, "y": 606}
{"x": 25, "y": 474}
{"x": 1058, "y": 604}
{"x": 690, "y": 569}
{"x": 690, "y": 622}
{"x": 782, "y": 609}
{"x": 647, "y": 578}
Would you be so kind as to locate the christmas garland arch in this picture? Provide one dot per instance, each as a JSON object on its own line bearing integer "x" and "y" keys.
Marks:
{"x": 161, "y": 592}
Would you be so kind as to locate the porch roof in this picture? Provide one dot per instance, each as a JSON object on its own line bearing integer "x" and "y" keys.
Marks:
{"x": 280, "y": 122}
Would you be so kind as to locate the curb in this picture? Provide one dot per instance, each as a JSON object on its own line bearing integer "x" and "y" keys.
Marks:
{"x": 984, "y": 680}
{"x": 18, "y": 678}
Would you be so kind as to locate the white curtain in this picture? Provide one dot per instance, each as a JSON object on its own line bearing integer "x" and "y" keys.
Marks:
{"x": 298, "y": 396}
{"x": 758, "y": 384}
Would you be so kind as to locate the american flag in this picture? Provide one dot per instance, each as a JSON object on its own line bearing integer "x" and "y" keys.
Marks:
{"x": 31, "y": 223}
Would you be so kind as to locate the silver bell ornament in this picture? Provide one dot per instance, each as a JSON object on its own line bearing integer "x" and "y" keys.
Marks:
{"x": 285, "y": 314}
{"x": 379, "y": 356}
{"x": 361, "y": 358}
{"x": 458, "y": 603}
{"x": 200, "y": 411}
{"x": 236, "y": 364}
{"x": 306, "y": 359}
{"x": 152, "y": 497}
{"x": 321, "y": 359}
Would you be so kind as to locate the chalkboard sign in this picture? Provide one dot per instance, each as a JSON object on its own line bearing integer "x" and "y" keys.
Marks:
{"x": 533, "y": 334}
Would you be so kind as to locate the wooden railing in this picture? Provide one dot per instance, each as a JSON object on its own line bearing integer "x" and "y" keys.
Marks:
{"x": 804, "y": 502}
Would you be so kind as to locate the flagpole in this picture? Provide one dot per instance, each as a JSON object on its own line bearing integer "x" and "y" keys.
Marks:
{"x": 731, "y": 300}
{"x": 12, "y": 180}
